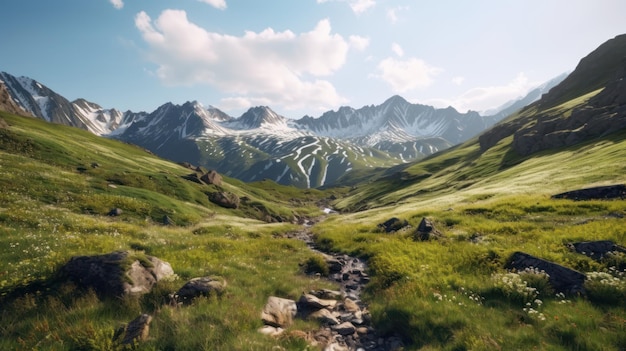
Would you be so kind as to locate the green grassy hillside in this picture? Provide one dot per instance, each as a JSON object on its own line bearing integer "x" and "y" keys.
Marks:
{"x": 53, "y": 206}
{"x": 452, "y": 293}
{"x": 488, "y": 201}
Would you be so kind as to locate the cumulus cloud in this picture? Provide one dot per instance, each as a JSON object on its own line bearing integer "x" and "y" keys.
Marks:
{"x": 405, "y": 75}
{"x": 218, "y": 4}
{"x": 118, "y": 4}
{"x": 359, "y": 43}
{"x": 489, "y": 97}
{"x": 357, "y": 6}
{"x": 397, "y": 49}
{"x": 283, "y": 68}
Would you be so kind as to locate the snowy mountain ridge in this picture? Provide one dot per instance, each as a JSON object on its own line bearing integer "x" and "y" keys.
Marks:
{"x": 307, "y": 152}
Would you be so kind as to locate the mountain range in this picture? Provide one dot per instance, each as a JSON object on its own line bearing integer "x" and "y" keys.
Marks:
{"x": 262, "y": 144}
{"x": 465, "y": 214}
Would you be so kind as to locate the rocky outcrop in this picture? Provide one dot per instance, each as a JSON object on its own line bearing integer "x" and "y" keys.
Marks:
{"x": 540, "y": 127}
{"x": 595, "y": 193}
{"x": 116, "y": 274}
{"x": 8, "y": 104}
{"x": 224, "y": 199}
{"x": 562, "y": 279}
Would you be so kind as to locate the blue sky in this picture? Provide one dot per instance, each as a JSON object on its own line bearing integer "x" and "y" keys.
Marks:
{"x": 300, "y": 56}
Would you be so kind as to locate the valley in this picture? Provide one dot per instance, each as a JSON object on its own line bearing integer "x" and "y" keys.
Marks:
{"x": 443, "y": 238}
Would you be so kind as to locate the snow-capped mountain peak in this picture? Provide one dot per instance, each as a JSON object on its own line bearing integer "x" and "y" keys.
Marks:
{"x": 261, "y": 117}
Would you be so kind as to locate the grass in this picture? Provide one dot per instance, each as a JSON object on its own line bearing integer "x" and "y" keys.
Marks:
{"x": 51, "y": 210}
{"x": 446, "y": 294}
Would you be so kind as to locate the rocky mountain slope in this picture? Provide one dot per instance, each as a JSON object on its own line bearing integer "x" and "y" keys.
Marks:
{"x": 40, "y": 101}
{"x": 589, "y": 103}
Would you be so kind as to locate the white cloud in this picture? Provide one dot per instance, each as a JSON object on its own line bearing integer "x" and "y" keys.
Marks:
{"x": 357, "y": 6}
{"x": 359, "y": 43}
{"x": 484, "y": 98}
{"x": 392, "y": 13}
{"x": 397, "y": 49}
{"x": 283, "y": 68}
{"x": 118, "y": 4}
{"x": 404, "y": 75}
{"x": 218, "y": 4}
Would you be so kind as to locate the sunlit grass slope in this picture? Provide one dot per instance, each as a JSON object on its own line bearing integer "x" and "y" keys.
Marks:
{"x": 468, "y": 169}
{"x": 454, "y": 293}
{"x": 57, "y": 186}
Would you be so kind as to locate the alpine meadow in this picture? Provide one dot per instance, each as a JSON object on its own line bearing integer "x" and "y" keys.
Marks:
{"x": 396, "y": 226}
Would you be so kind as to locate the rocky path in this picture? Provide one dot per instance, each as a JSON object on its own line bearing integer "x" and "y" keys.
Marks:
{"x": 348, "y": 325}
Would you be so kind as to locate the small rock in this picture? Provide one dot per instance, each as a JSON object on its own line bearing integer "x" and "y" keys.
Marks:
{"x": 196, "y": 287}
{"x": 324, "y": 316}
{"x": 137, "y": 330}
{"x": 362, "y": 330}
{"x": 212, "y": 177}
{"x": 271, "y": 331}
{"x": 114, "y": 212}
{"x": 597, "y": 249}
{"x": 279, "y": 312}
{"x": 309, "y": 301}
{"x": 350, "y": 306}
{"x": 336, "y": 347}
{"x": 393, "y": 225}
{"x": 167, "y": 220}
{"x": 193, "y": 177}
{"x": 426, "y": 231}
{"x": 327, "y": 294}
{"x": 345, "y": 328}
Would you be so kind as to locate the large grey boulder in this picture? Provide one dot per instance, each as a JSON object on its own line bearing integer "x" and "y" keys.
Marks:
{"x": 116, "y": 274}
